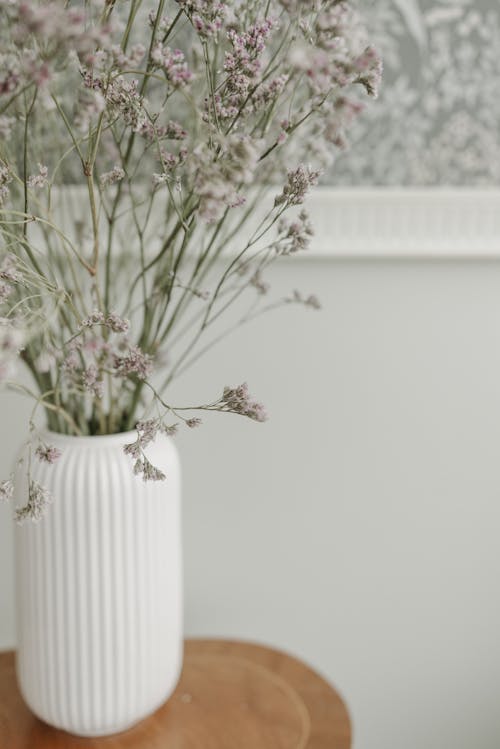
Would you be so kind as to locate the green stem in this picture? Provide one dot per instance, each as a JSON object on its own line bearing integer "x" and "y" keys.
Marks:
{"x": 25, "y": 159}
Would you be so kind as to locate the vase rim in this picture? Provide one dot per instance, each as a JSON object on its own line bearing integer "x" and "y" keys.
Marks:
{"x": 108, "y": 439}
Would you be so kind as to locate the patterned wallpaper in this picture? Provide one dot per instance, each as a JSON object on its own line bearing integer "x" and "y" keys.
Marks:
{"x": 437, "y": 119}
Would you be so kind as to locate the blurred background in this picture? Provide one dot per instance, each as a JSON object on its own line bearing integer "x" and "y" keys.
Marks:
{"x": 358, "y": 528}
{"x": 436, "y": 121}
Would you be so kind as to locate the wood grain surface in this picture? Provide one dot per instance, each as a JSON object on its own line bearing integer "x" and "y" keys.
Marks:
{"x": 231, "y": 695}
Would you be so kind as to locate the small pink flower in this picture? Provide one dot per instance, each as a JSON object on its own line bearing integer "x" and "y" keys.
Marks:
{"x": 40, "y": 179}
{"x": 47, "y": 453}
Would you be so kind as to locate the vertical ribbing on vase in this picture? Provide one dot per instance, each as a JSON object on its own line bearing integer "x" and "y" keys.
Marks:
{"x": 22, "y": 593}
{"x": 67, "y": 499}
{"x": 60, "y": 601}
{"x": 80, "y": 514}
{"x": 141, "y": 614}
{"x": 44, "y": 677}
{"x": 43, "y": 618}
{"x": 125, "y": 498}
{"x": 28, "y": 570}
{"x": 74, "y": 508}
{"x": 149, "y": 566}
{"x": 132, "y": 589}
{"x": 105, "y": 556}
{"x": 157, "y": 608}
{"x": 47, "y": 533}
{"x": 95, "y": 600}
{"x": 118, "y": 633}
{"x": 95, "y": 491}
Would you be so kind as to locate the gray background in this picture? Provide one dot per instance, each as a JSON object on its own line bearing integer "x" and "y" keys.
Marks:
{"x": 437, "y": 118}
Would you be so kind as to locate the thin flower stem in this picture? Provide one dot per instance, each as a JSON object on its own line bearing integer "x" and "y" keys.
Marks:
{"x": 25, "y": 157}
{"x": 126, "y": 157}
{"x": 172, "y": 26}
{"x": 136, "y": 4}
{"x": 69, "y": 129}
{"x": 15, "y": 96}
{"x": 207, "y": 319}
{"x": 54, "y": 228}
{"x": 229, "y": 331}
{"x": 41, "y": 399}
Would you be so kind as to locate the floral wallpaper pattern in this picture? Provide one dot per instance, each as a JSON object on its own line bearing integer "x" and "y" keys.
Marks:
{"x": 437, "y": 119}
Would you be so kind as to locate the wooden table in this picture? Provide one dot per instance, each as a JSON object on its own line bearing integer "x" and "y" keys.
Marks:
{"x": 231, "y": 695}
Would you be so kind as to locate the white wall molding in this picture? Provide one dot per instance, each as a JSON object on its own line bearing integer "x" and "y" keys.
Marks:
{"x": 405, "y": 223}
{"x": 365, "y": 222}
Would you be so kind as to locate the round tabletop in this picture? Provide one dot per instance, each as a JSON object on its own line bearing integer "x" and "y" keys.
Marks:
{"x": 230, "y": 695}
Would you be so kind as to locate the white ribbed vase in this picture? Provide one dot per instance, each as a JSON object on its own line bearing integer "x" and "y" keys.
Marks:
{"x": 99, "y": 588}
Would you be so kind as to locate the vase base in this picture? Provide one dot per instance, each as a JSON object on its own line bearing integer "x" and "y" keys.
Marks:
{"x": 116, "y": 730}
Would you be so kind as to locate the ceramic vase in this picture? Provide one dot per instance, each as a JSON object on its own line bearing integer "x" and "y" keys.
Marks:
{"x": 99, "y": 586}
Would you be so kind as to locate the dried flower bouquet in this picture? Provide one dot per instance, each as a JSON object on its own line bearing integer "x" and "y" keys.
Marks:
{"x": 193, "y": 132}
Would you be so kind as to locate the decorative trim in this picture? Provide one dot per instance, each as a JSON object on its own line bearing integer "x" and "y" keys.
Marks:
{"x": 405, "y": 223}
{"x": 369, "y": 223}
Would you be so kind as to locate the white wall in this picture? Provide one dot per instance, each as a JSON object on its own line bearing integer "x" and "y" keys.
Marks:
{"x": 358, "y": 528}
